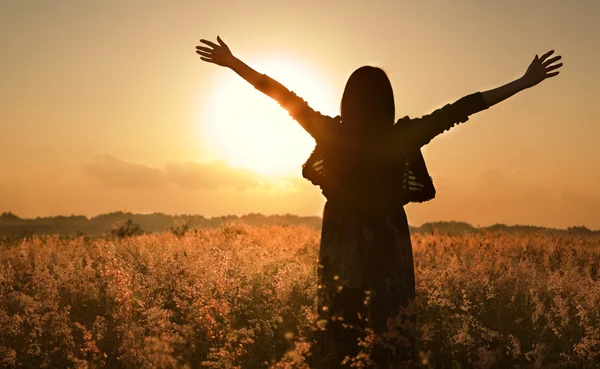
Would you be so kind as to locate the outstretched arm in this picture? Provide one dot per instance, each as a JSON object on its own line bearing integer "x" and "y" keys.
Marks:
{"x": 313, "y": 122}
{"x": 411, "y": 134}
{"x": 538, "y": 70}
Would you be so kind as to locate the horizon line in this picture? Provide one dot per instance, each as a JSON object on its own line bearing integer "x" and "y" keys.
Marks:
{"x": 4, "y": 214}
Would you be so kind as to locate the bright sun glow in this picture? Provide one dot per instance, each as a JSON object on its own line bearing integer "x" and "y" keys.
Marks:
{"x": 249, "y": 129}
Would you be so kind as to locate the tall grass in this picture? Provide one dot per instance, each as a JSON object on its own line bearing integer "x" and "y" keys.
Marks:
{"x": 245, "y": 297}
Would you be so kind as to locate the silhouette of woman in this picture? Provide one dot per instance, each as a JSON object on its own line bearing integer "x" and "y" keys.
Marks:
{"x": 368, "y": 168}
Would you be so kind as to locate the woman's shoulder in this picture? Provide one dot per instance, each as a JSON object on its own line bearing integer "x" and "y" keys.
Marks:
{"x": 404, "y": 119}
{"x": 334, "y": 123}
{"x": 326, "y": 128}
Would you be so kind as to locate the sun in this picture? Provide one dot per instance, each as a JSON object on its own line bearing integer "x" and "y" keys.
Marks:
{"x": 250, "y": 130}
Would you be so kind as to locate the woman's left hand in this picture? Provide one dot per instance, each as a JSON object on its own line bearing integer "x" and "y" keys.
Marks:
{"x": 540, "y": 69}
{"x": 216, "y": 54}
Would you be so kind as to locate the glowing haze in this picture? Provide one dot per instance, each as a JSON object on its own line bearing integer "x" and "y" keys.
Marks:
{"x": 105, "y": 106}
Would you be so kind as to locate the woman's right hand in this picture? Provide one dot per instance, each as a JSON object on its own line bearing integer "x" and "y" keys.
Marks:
{"x": 216, "y": 54}
{"x": 540, "y": 69}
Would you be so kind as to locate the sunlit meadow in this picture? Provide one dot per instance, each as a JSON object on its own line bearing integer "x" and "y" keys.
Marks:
{"x": 242, "y": 296}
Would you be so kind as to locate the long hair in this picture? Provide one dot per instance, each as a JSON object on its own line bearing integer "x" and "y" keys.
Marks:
{"x": 368, "y": 101}
{"x": 367, "y": 112}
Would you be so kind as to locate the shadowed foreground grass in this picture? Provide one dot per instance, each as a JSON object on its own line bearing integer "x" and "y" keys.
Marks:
{"x": 244, "y": 297}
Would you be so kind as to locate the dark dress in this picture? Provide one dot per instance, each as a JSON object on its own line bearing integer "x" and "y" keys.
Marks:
{"x": 366, "y": 270}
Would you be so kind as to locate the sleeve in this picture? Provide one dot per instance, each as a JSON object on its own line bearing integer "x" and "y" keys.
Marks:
{"x": 412, "y": 134}
{"x": 315, "y": 123}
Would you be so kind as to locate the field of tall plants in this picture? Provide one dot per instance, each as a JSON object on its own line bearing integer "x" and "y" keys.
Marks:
{"x": 242, "y": 296}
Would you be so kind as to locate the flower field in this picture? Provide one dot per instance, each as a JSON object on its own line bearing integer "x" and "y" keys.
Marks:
{"x": 242, "y": 296}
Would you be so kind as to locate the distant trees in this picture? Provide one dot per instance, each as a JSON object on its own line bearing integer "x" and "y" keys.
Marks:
{"x": 180, "y": 229}
{"x": 580, "y": 230}
{"x": 453, "y": 228}
{"x": 9, "y": 216}
{"x": 128, "y": 228}
{"x": 125, "y": 224}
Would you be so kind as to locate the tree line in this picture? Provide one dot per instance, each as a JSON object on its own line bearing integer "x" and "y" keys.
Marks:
{"x": 12, "y": 225}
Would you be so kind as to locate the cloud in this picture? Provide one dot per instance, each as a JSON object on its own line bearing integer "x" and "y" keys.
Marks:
{"x": 115, "y": 172}
{"x": 118, "y": 173}
{"x": 215, "y": 188}
{"x": 213, "y": 175}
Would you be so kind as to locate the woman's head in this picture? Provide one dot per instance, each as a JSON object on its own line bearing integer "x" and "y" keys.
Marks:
{"x": 368, "y": 100}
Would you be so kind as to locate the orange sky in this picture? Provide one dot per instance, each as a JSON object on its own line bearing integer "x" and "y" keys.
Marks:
{"x": 105, "y": 106}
